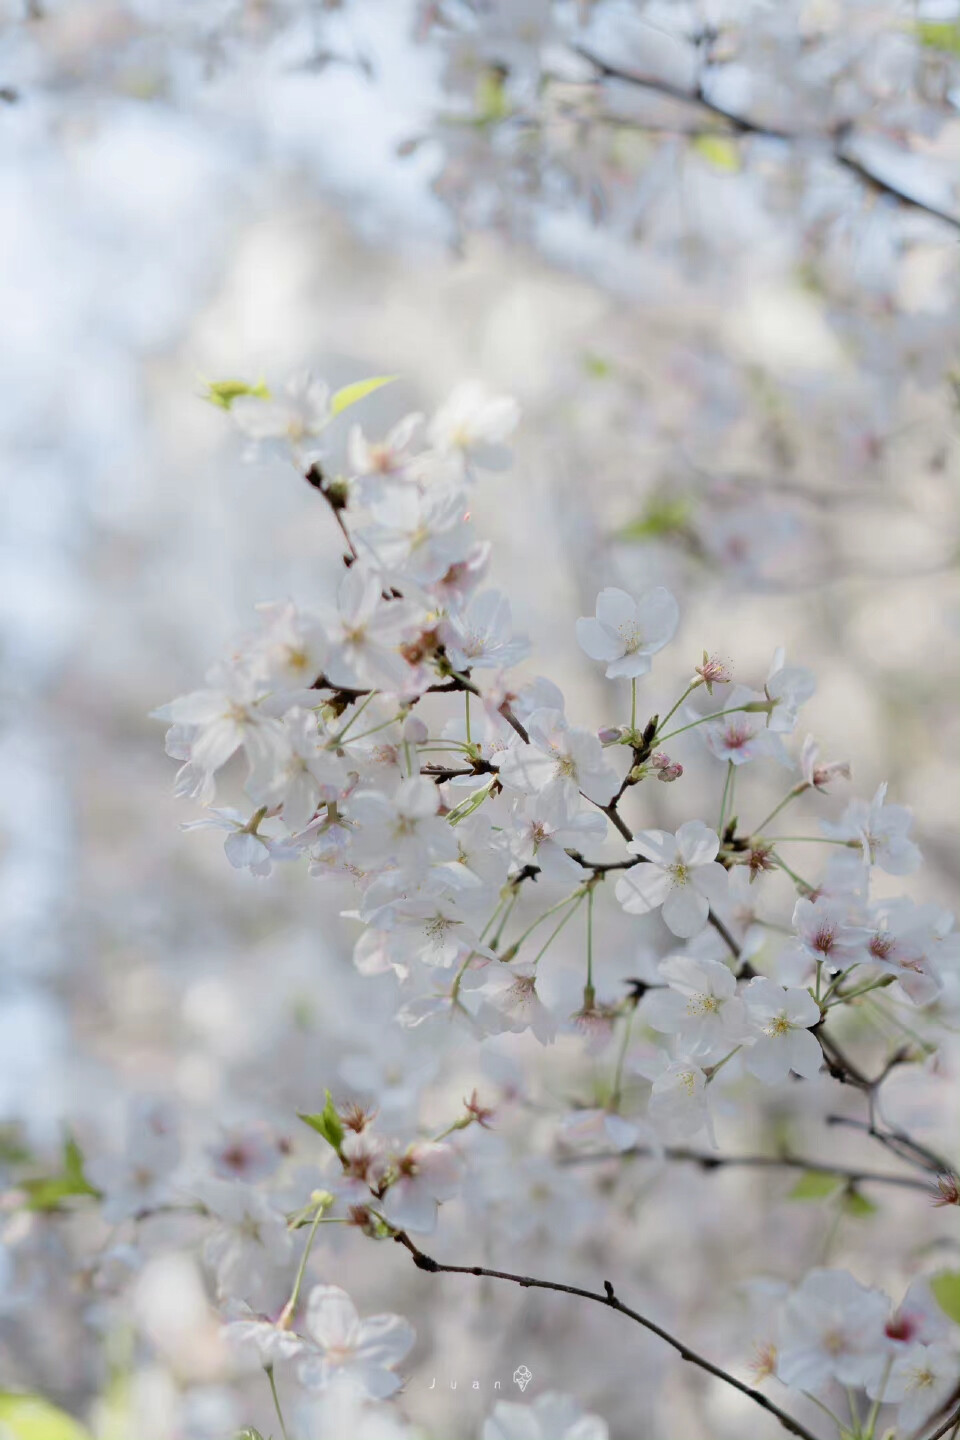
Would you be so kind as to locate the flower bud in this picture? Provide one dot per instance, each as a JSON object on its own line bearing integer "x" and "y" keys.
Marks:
{"x": 415, "y": 731}
{"x": 610, "y": 734}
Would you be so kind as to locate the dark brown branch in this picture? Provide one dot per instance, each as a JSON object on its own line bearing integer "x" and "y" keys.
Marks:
{"x": 608, "y": 1298}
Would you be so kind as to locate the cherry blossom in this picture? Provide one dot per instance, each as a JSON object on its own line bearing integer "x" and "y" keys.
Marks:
{"x": 833, "y": 1329}
{"x": 781, "y": 1021}
{"x": 550, "y": 1417}
{"x": 682, "y": 876}
{"x": 361, "y": 1353}
{"x": 627, "y": 633}
{"x": 426, "y": 1174}
{"x": 700, "y": 1005}
{"x": 560, "y": 758}
{"x": 881, "y": 829}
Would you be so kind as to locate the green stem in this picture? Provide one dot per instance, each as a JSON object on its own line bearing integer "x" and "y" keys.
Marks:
{"x": 554, "y": 933}
{"x": 790, "y": 795}
{"x": 335, "y": 739}
{"x": 727, "y": 787}
{"x": 589, "y": 994}
{"x": 495, "y": 939}
{"x": 466, "y": 714}
{"x": 276, "y": 1401}
{"x": 575, "y": 895}
{"x": 291, "y": 1305}
{"x": 621, "y": 1060}
{"x": 670, "y": 713}
{"x": 735, "y": 710}
{"x": 798, "y": 880}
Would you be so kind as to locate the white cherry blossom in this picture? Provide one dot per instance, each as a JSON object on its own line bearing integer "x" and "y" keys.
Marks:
{"x": 682, "y": 876}
{"x": 361, "y": 1353}
{"x": 476, "y": 424}
{"x": 550, "y": 1417}
{"x": 627, "y": 633}
{"x": 882, "y": 830}
{"x": 700, "y": 1005}
{"x": 780, "y": 1019}
{"x": 480, "y": 635}
{"x": 427, "y": 1174}
{"x": 833, "y": 1329}
{"x": 560, "y": 758}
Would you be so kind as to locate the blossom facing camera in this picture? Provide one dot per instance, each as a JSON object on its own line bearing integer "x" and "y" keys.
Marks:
{"x": 627, "y": 633}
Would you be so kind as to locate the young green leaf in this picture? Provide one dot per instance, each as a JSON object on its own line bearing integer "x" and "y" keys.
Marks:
{"x": 28, "y": 1417}
{"x": 946, "y": 1292}
{"x": 350, "y": 394}
{"x": 222, "y": 393}
{"x": 327, "y": 1123}
{"x": 814, "y": 1185}
{"x": 858, "y": 1205}
{"x": 46, "y": 1192}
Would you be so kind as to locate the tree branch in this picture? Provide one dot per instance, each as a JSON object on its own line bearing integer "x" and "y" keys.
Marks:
{"x": 832, "y": 140}
{"x": 706, "y": 1161}
{"x": 609, "y": 1299}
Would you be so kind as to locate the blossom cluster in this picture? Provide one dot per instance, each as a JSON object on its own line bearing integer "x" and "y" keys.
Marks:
{"x": 384, "y": 741}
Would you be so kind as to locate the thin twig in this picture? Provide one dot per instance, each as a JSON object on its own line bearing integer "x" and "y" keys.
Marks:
{"x": 609, "y": 1299}
{"x": 707, "y": 1161}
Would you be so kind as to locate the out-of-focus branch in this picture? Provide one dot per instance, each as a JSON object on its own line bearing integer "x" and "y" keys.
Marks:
{"x": 707, "y": 1161}
{"x": 833, "y": 140}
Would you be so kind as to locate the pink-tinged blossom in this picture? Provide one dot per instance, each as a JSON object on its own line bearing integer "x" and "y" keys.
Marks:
{"x": 699, "y": 1004}
{"x": 550, "y": 1417}
{"x": 138, "y": 1178}
{"x": 882, "y": 830}
{"x": 221, "y": 720}
{"x": 743, "y": 735}
{"x": 904, "y": 941}
{"x": 480, "y": 636}
{"x": 825, "y": 936}
{"x": 627, "y": 633}
{"x": 817, "y": 773}
{"x": 427, "y": 1174}
{"x": 682, "y": 875}
{"x": 559, "y": 758}
{"x": 510, "y": 1002}
{"x": 545, "y": 826}
{"x": 360, "y": 1353}
{"x": 245, "y": 1152}
{"x": 780, "y": 1020}
{"x": 833, "y": 1329}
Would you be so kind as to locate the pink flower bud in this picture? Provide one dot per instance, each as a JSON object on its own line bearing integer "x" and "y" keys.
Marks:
{"x": 609, "y": 734}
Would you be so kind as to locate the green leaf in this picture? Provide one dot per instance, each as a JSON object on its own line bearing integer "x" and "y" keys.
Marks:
{"x": 719, "y": 152}
{"x": 940, "y": 35}
{"x": 350, "y": 394}
{"x": 815, "y": 1185}
{"x": 596, "y": 367}
{"x": 858, "y": 1205}
{"x": 248, "y": 1434}
{"x": 327, "y": 1123}
{"x": 661, "y": 517}
{"x": 222, "y": 393}
{"x": 27, "y": 1417}
{"x": 46, "y": 1192}
{"x": 946, "y": 1292}
{"x": 491, "y": 98}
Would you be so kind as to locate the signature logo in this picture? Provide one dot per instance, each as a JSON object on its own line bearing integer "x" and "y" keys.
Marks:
{"x": 522, "y": 1377}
